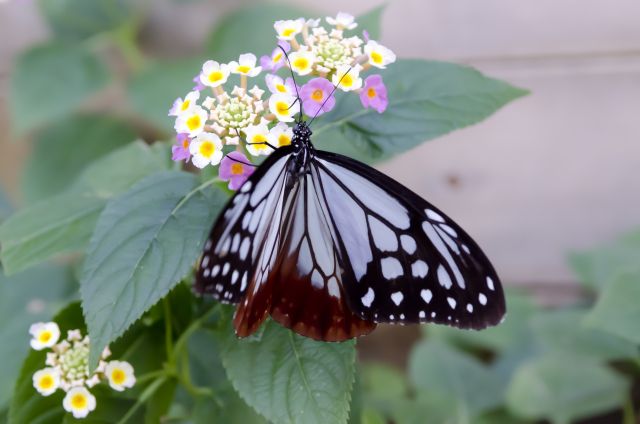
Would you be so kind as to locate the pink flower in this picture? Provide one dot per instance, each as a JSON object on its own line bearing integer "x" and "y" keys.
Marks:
{"x": 276, "y": 60}
{"x": 235, "y": 169}
{"x": 374, "y": 94}
{"x": 314, "y": 94}
{"x": 180, "y": 150}
{"x": 199, "y": 86}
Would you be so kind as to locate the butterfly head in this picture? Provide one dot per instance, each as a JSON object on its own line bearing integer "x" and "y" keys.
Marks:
{"x": 301, "y": 134}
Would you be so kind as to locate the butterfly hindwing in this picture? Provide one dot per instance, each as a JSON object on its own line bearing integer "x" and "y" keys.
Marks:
{"x": 409, "y": 262}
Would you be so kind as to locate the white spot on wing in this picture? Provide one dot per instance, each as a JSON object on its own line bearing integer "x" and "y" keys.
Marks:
{"x": 391, "y": 268}
{"x": 243, "y": 283}
{"x": 469, "y": 307}
{"x": 452, "y": 302}
{"x": 383, "y": 237}
{"x": 245, "y": 187}
{"x": 225, "y": 268}
{"x": 397, "y": 297}
{"x": 205, "y": 261}
{"x": 408, "y": 243}
{"x": 490, "y": 284}
{"x": 316, "y": 279}
{"x": 449, "y": 230}
{"x": 433, "y": 215}
{"x": 443, "y": 277}
{"x": 482, "y": 299}
{"x": 419, "y": 269}
{"x": 426, "y": 295}
{"x": 332, "y": 285}
{"x": 215, "y": 270}
{"x": 367, "y": 299}
{"x": 234, "y": 276}
{"x": 244, "y": 248}
{"x": 421, "y": 314}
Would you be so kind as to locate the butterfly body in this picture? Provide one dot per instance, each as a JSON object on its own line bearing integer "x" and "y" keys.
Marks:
{"x": 329, "y": 247}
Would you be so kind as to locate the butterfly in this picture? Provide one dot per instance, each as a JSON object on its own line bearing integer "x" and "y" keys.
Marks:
{"x": 330, "y": 247}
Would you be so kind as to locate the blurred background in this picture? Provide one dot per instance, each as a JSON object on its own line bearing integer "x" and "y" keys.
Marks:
{"x": 552, "y": 173}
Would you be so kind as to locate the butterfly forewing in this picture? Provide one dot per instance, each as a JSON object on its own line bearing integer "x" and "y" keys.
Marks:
{"x": 227, "y": 264}
{"x": 410, "y": 263}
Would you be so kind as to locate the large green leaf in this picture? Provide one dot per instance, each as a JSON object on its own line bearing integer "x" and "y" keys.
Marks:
{"x": 292, "y": 379}
{"x": 28, "y": 297}
{"x": 145, "y": 241}
{"x": 79, "y": 19}
{"x": 64, "y": 223}
{"x": 28, "y": 406}
{"x": 249, "y": 30}
{"x": 438, "y": 368}
{"x": 564, "y": 388}
{"x": 63, "y": 150}
{"x": 617, "y": 310}
{"x": 5, "y": 206}
{"x": 426, "y": 99}
{"x": 152, "y": 92}
{"x": 564, "y": 331}
{"x": 597, "y": 267}
{"x": 51, "y": 80}
{"x": 371, "y": 22}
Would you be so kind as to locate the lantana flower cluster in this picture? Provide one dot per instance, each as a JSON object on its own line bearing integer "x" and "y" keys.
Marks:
{"x": 218, "y": 117}
{"x": 67, "y": 368}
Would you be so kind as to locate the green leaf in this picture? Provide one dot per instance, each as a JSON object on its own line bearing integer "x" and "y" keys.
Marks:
{"x": 249, "y": 30}
{"x": 28, "y": 406}
{"x": 28, "y": 297}
{"x": 512, "y": 332}
{"x": 383, "y": 381}
{"x": 5, "y": 206}
{"x": 426, "y": 100}
{"x": 564, "y": 388}
{"x": 437, "y": 368}
{"x": 617, "y": 310}
{"x": 79, "y": 19}
{"x": 564, "y": 331}
{"x": 292, "y": 379}
{"x": 371, "y": 22}
{"x": 50, "y": 81}
{"x": 153, "y": 91}
{"x": 63, "y": 150}
{"x": 597, "y": 267}
{"x": 430, "y": 408}
{"x": 160, "y": 402}
{"x": 145, "y": 241}
{"x": 64, "y": 223}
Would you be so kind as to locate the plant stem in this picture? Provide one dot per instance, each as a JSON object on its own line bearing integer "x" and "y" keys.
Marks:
{"x": 168, "y": 333}
{"x": 148, "y": 392}
{"x": 195, "y": 324}
{"x": 629, "y": 414}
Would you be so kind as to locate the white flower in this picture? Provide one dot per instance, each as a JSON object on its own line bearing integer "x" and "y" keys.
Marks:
{"x": 74, "y": 335}
{"x": 246, "y": 65}
{"x": 287, "y": 30}
{"x": 206, "y": 149}
{"x": 302, "y": 61}
{"x": 214, "y": 74}
{"x": 280, "y": 105}
{"x": 120, "y": 375}
{"x": 209, "y": 102}
{"x": 347, "y": 78}
{"x": 180, "y": 106}
{"x": 192, "y": 121}
{"x": 312, "y": 23}
{"x": 79, "y": 401}
{"x": 94, "y": 380}
{"x": 342, "y": 21}
{"x": 280, "y": 135}
{"x": 46, "y": 381}
{"x": 45, "y": 334}
{"x": 256, "y": 139}
{"x": 379, "y": 55}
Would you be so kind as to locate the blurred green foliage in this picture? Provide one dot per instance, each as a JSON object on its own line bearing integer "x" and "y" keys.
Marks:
{"x": 91, "y": 189}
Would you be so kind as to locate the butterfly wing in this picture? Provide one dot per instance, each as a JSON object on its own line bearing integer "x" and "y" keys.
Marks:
{"x": 408, "y": 262}
{"x": 241, "y": 232}
{"x": 300, "y": 282}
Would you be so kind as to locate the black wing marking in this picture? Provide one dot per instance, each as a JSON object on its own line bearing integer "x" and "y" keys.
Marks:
{"x": 241, "y": 232}
{"x": 409, "y": 262}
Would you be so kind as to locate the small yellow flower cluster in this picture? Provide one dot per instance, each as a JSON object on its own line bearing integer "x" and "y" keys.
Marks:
{"x": 67, "y": 368}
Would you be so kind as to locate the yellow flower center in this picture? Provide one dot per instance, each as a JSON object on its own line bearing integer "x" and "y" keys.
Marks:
{"x": 236, "y": 169}
{"x": 301, "y": 63}
{"x": 193, "y": 122}
{"x": 259, "y": 138}
{"x": 185, "y": 104}
{"x": 282, "y": 108}
{"x": 283, "y": 140}
{"x": 118, "y": 376}
{"x": 244, "y": 69}
{"x": 79, "y": 401}
{"x": 376, "y": 57}
{"x": 277, "y": 57}
{"x": 347, "y": 80}
{"x": 317, "y": 95}
{"x": 371, "y": 93}
{"x": 207, "y": 148}
{"x": 46, "y": 382}
{"x": 281, "y": 88}
{"x": 215, "y": 76}
{"x": 287, "y": 32}
{"x": 45, "y": 336}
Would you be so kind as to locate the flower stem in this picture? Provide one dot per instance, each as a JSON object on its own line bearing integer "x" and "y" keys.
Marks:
{"x": 168, "y": 334}
{"x": 146, "y": 394}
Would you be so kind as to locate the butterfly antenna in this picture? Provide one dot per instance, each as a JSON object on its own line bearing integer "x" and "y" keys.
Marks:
{"x": 247, "y": 143}
{"x": 295, "y": 84}
{"x": 335, "y": 87}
